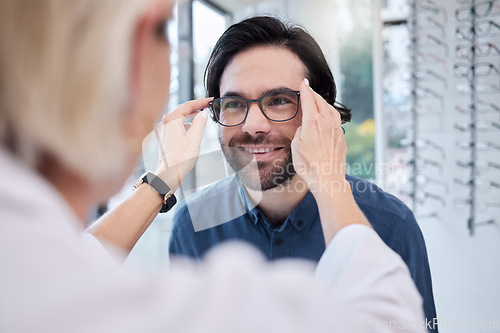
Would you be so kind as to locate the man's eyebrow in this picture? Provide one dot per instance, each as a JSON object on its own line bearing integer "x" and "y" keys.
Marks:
{"x": 232, "y": 94}
{"x": 267, "y": 91}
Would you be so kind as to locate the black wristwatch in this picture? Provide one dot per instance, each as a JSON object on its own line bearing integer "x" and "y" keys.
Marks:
{"x": 161, "y": 187}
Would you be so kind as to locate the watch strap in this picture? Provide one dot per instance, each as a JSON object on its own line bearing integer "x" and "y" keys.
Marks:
{"x": 169, "y": 199}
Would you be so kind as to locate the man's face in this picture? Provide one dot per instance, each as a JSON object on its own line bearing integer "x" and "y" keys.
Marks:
{"x": 260, "y": 144}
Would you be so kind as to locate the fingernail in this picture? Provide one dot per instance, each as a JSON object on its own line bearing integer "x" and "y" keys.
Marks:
{"x": 204, "y": 113}
{"x": 306, "y": 81}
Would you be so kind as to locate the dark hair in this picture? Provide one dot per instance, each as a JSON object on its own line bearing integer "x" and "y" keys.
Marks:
{"x": 266, "y": 30}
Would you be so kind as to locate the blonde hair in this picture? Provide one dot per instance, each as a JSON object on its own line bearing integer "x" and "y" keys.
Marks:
{"x": 64, "y": 80}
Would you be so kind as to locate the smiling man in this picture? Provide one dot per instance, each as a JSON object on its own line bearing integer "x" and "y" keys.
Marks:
{"x": 254, "y": 73}
{"x": 264, "y": 134}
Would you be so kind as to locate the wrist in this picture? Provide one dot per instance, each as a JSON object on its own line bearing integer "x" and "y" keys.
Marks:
{"x": 150, "y": 196}
{"x": 170, "y": 176}
{"x": 338, "y": 209}
{"x": 332, "y": 191}
{"x": 162, "y": 189}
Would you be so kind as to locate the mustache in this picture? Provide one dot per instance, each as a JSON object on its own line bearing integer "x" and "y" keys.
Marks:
{"x": 247, "y": 139}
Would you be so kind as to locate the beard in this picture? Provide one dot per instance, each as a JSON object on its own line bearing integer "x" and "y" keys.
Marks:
{"x": 259, "y": 175}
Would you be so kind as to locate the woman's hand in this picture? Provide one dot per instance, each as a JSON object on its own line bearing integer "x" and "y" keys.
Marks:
{"x": 319, "y": 148}
{"x": 179, "y": 143}
{"x": 319, "y": 157}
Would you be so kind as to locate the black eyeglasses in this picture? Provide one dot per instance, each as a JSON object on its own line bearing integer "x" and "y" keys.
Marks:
{"x": 277, "y": 106}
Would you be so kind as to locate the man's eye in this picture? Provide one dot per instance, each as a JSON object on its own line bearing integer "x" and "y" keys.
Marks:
{"x": 232, "y": 105}
{"x": 279, "y": 101}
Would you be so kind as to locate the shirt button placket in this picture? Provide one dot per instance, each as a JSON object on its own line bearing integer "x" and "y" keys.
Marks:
{"x": 280, "y": 247}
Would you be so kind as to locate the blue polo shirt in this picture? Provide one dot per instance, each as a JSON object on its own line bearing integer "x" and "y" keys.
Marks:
{"x": 221, "y": 212}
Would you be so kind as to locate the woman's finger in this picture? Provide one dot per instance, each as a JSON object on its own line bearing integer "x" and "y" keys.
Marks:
{"x": 325, "y": 109}
{"x": 187, "y": 108}
{"x": 309, "y": 109}
{"x": 198, "y": 125}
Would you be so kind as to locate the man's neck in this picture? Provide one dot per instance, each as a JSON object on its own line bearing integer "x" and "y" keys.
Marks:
{"x": 278, "y": 203}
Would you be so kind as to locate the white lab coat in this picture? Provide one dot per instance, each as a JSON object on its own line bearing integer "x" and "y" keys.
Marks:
{"x": 55, "y": 278}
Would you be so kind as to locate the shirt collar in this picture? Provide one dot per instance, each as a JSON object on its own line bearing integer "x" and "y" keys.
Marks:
{"x": 250, "y": 207}
{"x": 305, "y": 213}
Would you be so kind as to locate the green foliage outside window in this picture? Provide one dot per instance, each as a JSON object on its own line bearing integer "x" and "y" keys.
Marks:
{"x": 357, "y": 94}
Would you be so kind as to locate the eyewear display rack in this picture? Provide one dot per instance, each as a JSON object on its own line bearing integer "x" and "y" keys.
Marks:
{"x": 476, "y": 40}
{"x": 462, "y": 88}
{"x": 428, "y": 86}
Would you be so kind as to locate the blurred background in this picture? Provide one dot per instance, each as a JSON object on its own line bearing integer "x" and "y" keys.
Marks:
{"x": 423, "y": 80}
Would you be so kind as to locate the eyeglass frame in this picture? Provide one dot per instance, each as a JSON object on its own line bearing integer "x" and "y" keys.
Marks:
{"x": 469, "y": 67}
{"x": 259, "y": 100}
{"x": 474, "y": 30}
{"x": 472, "y": 10}
{"x": 473, "y": 48}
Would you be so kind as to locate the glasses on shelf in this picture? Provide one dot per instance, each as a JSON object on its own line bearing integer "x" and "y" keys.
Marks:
{"x": 480, "y": 165}
{"x": 423, "y": 162}
{"x": 428, "y": 74}
{"x": 429, "y": 7}
{"x": 483, "y": 49}
{"x": 478, "y": 69}
{"x": 427, "y": 39}
{"x": 428, "y": 58}
{"x": 422, "y": 196}
{"x": 433, "y": 215}
{"x": 480, "y": 205}
{"x": 482, "y": 184}
{"x": 422, "y": 181}
{"x": 480, "y": 29}
{"x": 480, "y": 107}
{"x": 424, "y": 92}
{"x": 479, "y": 145}
{"x": 486, "y": 88}
{"x": 480, "y": 10}
{"x": 424, "y": 143}
{"x": 482, "y": 126}
{"x": 429, "y": 23}
{"x": 277, "y": 106}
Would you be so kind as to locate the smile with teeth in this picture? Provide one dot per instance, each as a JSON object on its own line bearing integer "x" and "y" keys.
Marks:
{"x": 259, "y": 150}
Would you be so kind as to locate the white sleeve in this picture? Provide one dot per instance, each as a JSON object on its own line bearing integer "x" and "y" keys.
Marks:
{"x": 371, "y": 284}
